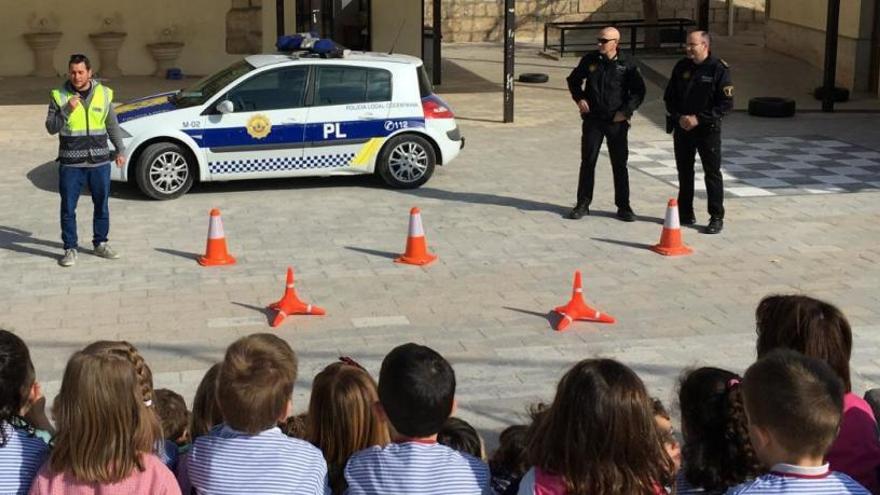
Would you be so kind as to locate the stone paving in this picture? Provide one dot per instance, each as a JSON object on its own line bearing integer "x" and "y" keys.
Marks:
{"x": 507, "y": 256}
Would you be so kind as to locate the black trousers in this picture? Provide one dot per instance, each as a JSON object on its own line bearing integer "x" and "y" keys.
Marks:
{"x": 593, "y": 132}
{"x": 705, "y": 140}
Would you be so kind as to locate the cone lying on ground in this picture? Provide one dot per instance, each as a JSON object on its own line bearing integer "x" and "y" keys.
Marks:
{"x": 577, "y": 309}
{"x": 215, "y": 251}
{"x": 670, "y": 239}
{"x": 416, "y": 244}
{"x": 289, "y": 304}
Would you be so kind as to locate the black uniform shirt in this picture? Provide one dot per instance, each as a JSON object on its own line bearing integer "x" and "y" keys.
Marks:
{"x": 702, "y": 89}
{"x": 608, "y": 86}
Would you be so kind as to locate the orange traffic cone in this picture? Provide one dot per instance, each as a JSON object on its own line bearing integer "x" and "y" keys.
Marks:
{"x": 670, "y": 240}
{"x": 416, "y": 245}
{"x": 215, "y": 251}
{"x": 577, "y": 309}
{"x": 289, "y": 304}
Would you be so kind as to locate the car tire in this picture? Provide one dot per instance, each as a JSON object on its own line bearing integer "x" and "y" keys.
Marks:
{"x": 771, "y": 106}
{"x": 534, "y": 77}
{"x": 406, "y": 161}
{"x": 165, "y": 171}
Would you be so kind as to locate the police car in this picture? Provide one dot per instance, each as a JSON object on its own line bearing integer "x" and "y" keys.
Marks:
{"x": 291, "y": 115}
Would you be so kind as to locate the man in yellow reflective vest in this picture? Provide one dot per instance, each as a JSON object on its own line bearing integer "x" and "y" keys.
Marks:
{"x": 81, "y": 112}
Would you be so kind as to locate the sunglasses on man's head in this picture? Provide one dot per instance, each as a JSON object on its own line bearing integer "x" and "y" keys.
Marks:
{"x": 602, "y": 41}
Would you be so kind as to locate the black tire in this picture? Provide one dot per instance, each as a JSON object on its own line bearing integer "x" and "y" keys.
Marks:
{"x": 165, "y": 171}
{"x": 406, "y": 161}
{"x": 771, "y": 106}
{"x": 534, "y": 77}
{"x": 839, "y": 95}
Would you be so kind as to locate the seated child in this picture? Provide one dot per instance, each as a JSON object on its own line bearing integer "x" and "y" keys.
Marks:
{"x": 794, "y": 405}
{"x": 106, "y": 432}
{"x": 174, "y": 417}
{"x": 248, "y": 453}
{"x": 598, "y": 437}
{"x": 820, "y": 330}
{"x": 416, "y": 396}
{"x": 22, "y": 410}
{"x": 717, "y": 452}
{"x": 458, "y": 434}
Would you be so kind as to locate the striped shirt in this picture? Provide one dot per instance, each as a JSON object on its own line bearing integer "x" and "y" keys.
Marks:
{"x": 414, "y": 468}
{"x": 20, "y": 459}
{"x": 788, "y": 479}
{"x": 226, "y": 461}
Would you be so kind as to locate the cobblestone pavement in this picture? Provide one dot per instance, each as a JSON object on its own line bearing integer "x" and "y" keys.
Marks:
{"x": 507, "y": 256}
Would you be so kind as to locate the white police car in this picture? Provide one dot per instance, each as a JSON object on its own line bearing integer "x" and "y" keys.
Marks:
{"x": 287, "y": 115}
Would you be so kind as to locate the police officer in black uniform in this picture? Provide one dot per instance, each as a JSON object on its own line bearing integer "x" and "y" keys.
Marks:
{"x": 607, "y": 88}
{"x": 698, "y": 95}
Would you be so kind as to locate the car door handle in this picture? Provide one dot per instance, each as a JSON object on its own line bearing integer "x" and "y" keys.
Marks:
{"x": 367, "y": 116}
{"x": 291, "y": 120}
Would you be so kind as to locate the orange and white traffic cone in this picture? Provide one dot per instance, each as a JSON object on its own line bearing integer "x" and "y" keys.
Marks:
{"x": 215, "y": 251}
{"x": 577, "y": 309}
{"x": 416, "y": 245}
{"x": 670, "y": 240}
{"x": 289, "y": 304}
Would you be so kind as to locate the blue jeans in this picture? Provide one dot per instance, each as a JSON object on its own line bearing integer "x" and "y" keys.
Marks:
{"x": 70, "y": 183}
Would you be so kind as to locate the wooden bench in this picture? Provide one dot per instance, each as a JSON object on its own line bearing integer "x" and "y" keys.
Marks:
{"x": 671, "y": 31}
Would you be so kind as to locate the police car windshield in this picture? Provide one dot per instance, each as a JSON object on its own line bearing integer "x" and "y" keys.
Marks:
{"x": 207, "y": 87}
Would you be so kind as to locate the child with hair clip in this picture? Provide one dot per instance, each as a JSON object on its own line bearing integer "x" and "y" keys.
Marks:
{"x": 167, "y": 451}
{"x": 598, "y": 437}
{"x": 22, "y": 411}
{"x": 341, "y": 419}
{"x": 106, "y": 432}
{"x": 820, "y": 330}
{"x": 717, "y": 453}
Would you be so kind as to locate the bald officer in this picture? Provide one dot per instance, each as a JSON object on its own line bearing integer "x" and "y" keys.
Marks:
{"x": 607, "y": 87}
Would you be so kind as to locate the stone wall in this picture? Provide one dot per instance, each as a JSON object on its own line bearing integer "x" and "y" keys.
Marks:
{"x": 244, "y": 27}
{"x": 482, "y": 20}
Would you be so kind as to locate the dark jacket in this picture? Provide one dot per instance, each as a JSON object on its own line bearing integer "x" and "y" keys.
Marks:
{"x": 608, "y": 86}
{"x": 702, "y": 89}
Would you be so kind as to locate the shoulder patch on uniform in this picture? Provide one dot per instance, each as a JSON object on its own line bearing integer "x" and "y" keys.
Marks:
{"x": 724, "y": 63}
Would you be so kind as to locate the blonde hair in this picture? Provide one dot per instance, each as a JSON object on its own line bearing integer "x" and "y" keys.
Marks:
{"x": 255, "y": 382}
{"x": 341, "y": 420}
{"x": 104, "y": 426}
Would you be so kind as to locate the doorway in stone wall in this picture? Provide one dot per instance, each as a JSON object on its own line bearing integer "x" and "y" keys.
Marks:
{"x": 346, "y": 22}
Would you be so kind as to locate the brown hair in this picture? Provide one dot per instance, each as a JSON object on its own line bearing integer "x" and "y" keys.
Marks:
{"x": 599, "y": 433}
{"x": 812, "y": 327}
{"x": 205, "y": 410}
{"x": 341, "y": 420}
{"x": 129, "y": 352}
{"x": 171, "y": 409}
{"x": 799, "y": 399}
{"x": 104, "y": 426}
{"x": 255, "y": 382}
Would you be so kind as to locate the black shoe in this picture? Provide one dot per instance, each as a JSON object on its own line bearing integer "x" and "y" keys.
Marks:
{"x": 579, "y": 211}
{"x": 687, "y": 220}
{"x": 626, "y": 214}
{"x": 716, "y": 225}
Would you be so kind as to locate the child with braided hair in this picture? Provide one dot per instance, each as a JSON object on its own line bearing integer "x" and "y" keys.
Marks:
{"x": 717, "y": 453}
{"x": 22, "y": 410}
{"x": 107, "y": 433}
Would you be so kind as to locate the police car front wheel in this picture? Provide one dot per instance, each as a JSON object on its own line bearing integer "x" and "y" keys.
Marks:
{"x": 164, "y": 171}
{"x": 407, "y": 161}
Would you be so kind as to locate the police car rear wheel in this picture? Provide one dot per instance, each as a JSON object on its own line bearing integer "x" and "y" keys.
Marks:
{"x": 407, "y": 162}
{"x": 164, "y": 171}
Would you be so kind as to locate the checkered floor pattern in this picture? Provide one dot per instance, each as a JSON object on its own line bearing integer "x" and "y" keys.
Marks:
{"x": 772, "y": 166}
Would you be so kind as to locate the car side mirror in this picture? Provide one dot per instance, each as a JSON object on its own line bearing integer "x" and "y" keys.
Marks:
{"x": 225, "y": 106}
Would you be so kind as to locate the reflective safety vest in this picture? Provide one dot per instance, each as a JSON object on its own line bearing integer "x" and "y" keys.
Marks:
{"x": 84, "y": 136}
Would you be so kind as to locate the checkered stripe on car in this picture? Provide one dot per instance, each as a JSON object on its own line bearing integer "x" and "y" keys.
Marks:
{"x": 280, "y": 164}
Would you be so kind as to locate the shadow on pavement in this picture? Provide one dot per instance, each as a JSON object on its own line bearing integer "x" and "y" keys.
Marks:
{"x": 20, "y": 241}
